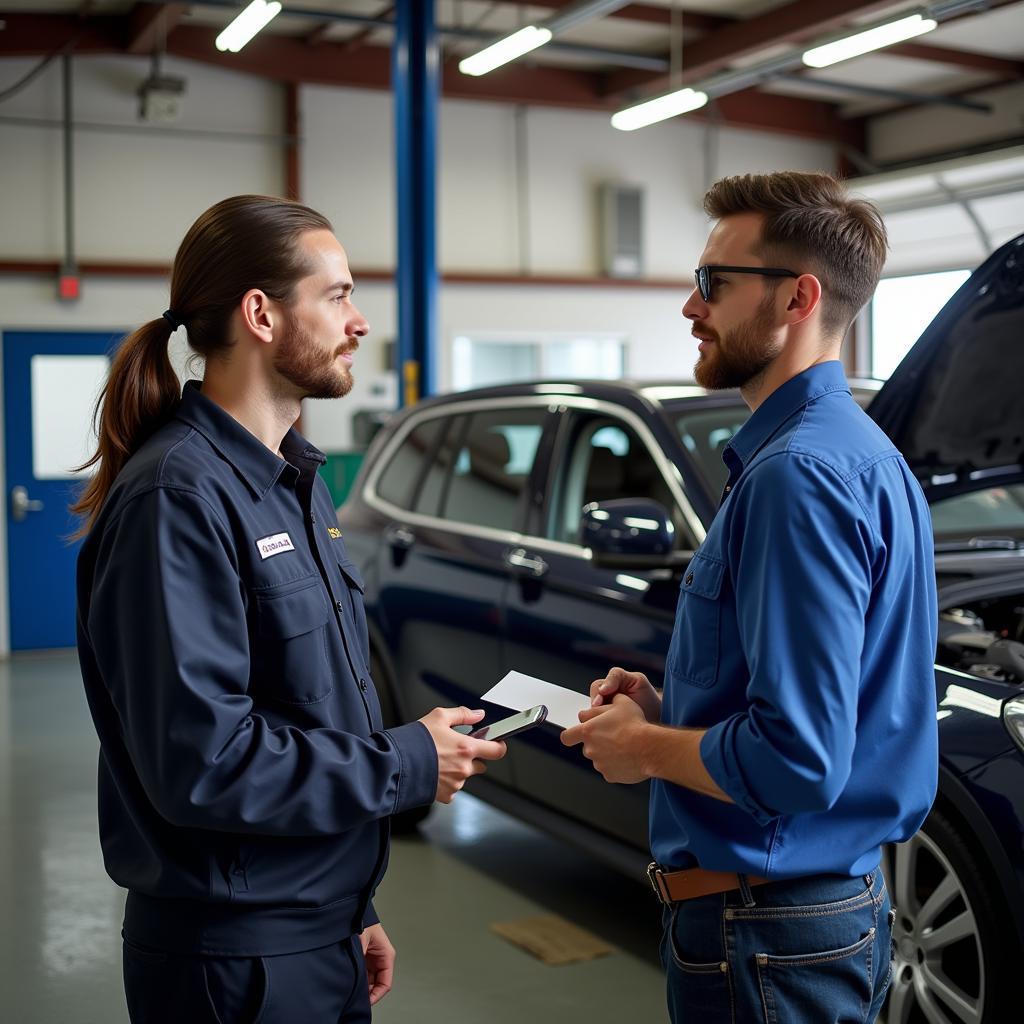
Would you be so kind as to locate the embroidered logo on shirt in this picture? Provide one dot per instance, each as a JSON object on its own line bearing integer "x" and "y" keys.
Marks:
{"x": 274, "y": 545}
{"x": 333, "y": 532}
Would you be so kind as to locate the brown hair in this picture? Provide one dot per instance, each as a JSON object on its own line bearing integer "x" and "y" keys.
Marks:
{"x": 240, "y": 243}
{"x": 812, "y": 225}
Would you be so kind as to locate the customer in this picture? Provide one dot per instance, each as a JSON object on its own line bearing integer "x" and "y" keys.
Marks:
{"x": 245, "y": 776}
{"x": 797, "y": 729}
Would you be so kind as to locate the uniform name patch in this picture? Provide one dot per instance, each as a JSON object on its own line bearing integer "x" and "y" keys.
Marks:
{"x": 274, "y": 545}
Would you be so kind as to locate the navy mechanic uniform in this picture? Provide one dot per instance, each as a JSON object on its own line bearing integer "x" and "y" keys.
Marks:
{"x": 245, "y": 776}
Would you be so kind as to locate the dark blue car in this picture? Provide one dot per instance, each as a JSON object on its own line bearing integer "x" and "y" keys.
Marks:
{"x": 544, "y": 527}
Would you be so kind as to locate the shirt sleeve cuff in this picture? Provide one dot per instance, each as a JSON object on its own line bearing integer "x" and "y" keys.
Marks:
{"x": 717, "y": 751}
{"x": 417, "y": 782}
{"x": 370, "y": 918}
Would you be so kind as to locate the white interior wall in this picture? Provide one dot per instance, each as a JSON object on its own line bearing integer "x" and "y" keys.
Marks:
{"x": 138, "y": 187}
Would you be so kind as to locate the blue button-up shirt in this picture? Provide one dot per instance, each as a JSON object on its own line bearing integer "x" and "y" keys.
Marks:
{"x": 804, "y": 643}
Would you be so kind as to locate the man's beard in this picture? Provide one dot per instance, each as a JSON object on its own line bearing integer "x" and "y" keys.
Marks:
{"x": 742, "y": 355}
{"x": 312, "y": 369}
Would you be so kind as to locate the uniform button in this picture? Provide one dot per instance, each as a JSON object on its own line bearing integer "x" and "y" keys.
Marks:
{"x": 728, "y": 488}
{"x": 340, "y": 607}
{"x": 362, "y": 685}
{"x": 689, "y": 578}
{"x": 312, "y": 517}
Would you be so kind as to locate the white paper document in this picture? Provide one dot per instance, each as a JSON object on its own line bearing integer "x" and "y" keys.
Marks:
{"x": 520, "y": 692}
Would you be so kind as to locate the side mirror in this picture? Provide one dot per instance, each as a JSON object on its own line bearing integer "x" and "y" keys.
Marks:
{"x": 627, "y": 533}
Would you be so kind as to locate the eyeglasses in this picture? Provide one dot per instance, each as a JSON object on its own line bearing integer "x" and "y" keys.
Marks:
{"x": 705, "y": 273}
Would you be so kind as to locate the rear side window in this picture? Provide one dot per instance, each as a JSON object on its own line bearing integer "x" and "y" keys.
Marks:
{"x": 490, "y": 466}
{"x": 398, "y": 483}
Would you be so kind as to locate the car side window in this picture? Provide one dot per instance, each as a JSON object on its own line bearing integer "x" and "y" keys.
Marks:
{"x": 400, "y": 479}
{"x": 489, "y": 468}
{"x": 603, "y": 459}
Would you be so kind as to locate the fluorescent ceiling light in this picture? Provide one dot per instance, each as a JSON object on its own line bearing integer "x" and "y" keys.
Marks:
{"x": 661, "y": 107}
{"x": 504, "y": 50}
{"x": 255, "y": 17}
{"x": 865, "y": 42}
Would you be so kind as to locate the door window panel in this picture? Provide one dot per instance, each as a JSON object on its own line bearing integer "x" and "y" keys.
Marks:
{"x": 605, "y": 460}
{"x": 491, "y": 467}
{"x": 431, "y": 494}
{"x": 64, "y": 393}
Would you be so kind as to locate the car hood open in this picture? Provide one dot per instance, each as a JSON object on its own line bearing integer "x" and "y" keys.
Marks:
{"x": 955, "y": 406}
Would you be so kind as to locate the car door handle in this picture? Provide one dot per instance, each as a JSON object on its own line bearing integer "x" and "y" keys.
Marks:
{"x": 22, "y": 504}
{"x": 517, "y": 558}
{"x": 401, "y": 537}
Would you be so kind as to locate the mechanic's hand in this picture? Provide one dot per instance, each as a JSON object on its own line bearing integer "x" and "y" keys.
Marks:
{"x": 634, "y": 685}
{"x": 458, "y": 757}
{"x": 613, "y": 738}
{"x": 379, "y": 955}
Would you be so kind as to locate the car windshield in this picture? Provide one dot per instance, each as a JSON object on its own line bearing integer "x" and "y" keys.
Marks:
{"x": 991, "y": 512}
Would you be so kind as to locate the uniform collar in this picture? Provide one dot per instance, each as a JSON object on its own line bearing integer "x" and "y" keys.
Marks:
{"x": 254, "y": 462}
{"x": 782, "y": 403}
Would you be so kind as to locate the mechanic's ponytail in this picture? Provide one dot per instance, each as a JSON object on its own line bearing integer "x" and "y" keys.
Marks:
{"x": 242, "y": 243}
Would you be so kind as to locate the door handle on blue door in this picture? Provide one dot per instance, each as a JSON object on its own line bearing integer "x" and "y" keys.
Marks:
{"x": 22, "y": 504}
{"x": 517, "y": 558}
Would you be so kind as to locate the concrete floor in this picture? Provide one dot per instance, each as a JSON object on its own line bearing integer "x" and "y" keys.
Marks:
{"x": 470, "y": 866}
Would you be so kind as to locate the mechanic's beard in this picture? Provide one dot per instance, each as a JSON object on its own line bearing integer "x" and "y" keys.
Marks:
{"x": 309, "y": 367}
{"x": 739, "y": 358}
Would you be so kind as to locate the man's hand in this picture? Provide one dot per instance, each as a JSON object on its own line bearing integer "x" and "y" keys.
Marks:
{"x": 379, "y": 955}
{"x": 634, "y": 685}
{"x": 613, "y": 738}
{"x": 458, "y": 756}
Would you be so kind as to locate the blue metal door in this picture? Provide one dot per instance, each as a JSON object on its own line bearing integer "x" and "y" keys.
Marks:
{"x": 51, "y": 380}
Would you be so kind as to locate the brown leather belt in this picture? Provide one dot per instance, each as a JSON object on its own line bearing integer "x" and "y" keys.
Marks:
{"x": 676, "y": 886}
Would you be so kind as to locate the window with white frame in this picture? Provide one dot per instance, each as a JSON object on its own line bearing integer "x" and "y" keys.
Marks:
{"x": 901, "y": 309}
{"x": 480, "y": 360}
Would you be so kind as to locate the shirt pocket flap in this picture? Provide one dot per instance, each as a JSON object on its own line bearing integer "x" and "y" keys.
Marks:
{"x": 293, "y": 613}
{"x": 352, "y": 576}
{"x": 703, "y": 577}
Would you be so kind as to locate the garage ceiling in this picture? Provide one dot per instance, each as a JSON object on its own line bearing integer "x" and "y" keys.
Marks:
{"x": 604, "y": 62}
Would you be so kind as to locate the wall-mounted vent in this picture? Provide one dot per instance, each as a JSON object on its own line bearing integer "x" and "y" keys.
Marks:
{"x": 622, "y": 234}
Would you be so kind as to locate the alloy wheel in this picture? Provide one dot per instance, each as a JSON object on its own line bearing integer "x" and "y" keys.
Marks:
{"x": 938, "y": 974}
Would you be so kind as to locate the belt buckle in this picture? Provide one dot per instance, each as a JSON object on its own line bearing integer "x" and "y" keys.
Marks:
{"x": 654, "y": 874}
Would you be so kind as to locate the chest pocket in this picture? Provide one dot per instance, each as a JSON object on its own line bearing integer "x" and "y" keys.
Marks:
{"x": 355, "y": 613}
{"x": 695, "y": 651}
{"x": 293, "y": 664}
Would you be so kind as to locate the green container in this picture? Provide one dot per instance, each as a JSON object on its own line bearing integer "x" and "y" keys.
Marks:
{"x": 339, "y": 473}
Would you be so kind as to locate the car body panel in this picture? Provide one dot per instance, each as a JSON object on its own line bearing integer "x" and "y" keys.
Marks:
{"x": 954, "y": 406}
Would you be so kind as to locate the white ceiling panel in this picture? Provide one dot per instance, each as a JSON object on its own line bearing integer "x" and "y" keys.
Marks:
{"x": 998, "y": 33}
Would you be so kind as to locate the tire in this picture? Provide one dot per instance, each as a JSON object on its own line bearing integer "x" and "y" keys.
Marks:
{"x": 951, "y": 940}
{"x": 406, "y": 822}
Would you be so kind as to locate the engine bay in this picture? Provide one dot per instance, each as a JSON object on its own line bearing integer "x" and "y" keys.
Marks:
{"x": 984, "y": 638}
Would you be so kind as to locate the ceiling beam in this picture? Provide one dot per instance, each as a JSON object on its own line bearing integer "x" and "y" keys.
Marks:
{"x": 795, "y": 22}
{"x": 653, "y": 14}
{"x": 36, "y": 35}
{"x": 360, "y": 38}
{"x": 321, "y": 34}
{"x": 959, "y": 58}
{"x": 150, "y": 23}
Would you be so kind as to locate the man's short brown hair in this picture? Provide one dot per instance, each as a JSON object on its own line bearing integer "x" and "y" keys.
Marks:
{"x": 812, "y": 225}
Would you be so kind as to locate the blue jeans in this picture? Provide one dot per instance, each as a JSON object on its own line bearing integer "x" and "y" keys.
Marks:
{"x": 813, "y": 950}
